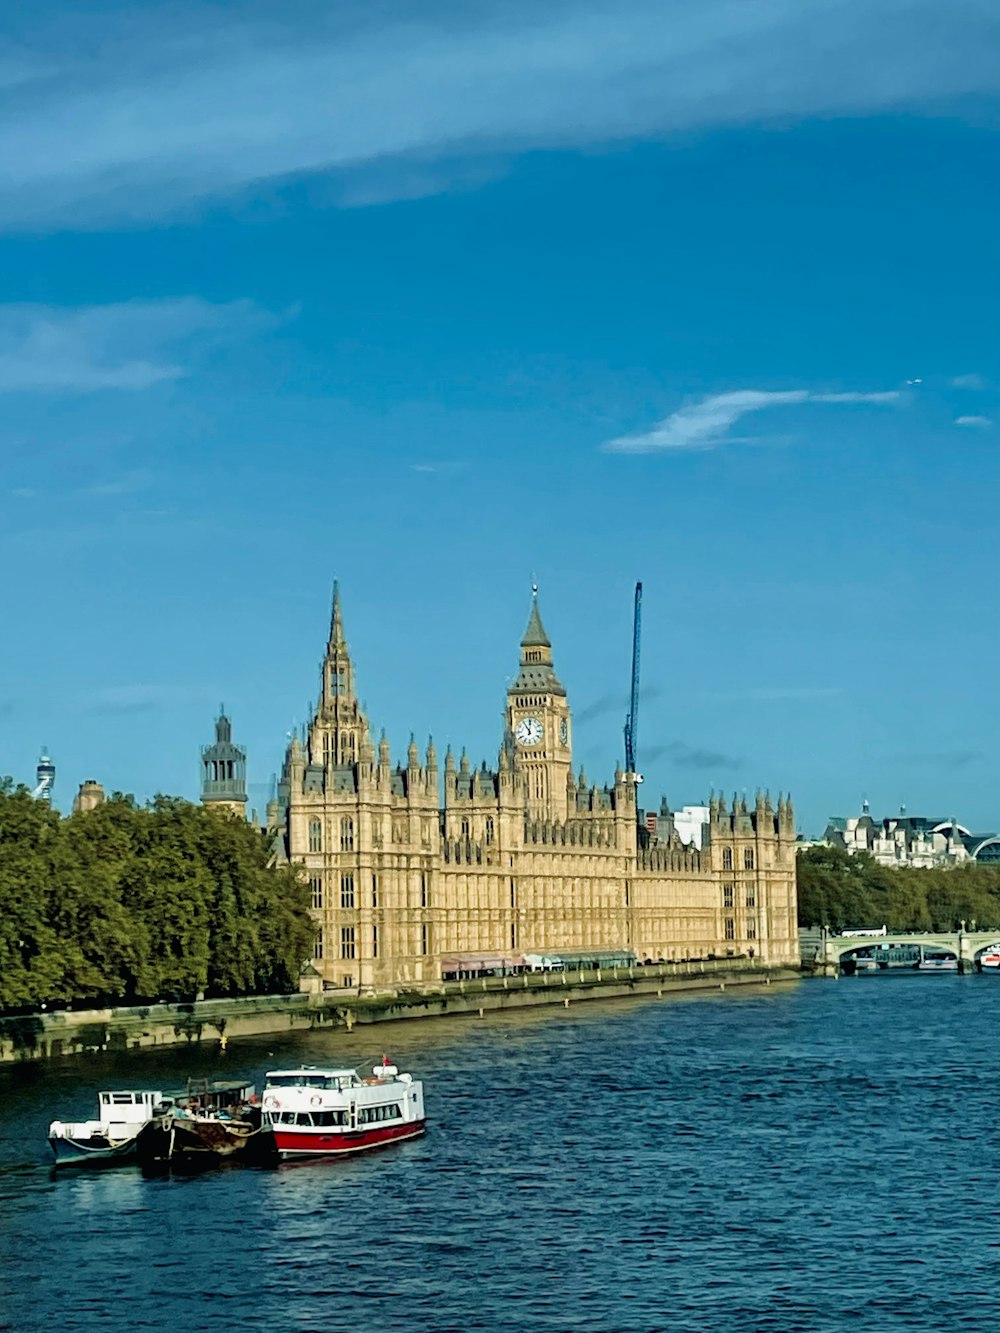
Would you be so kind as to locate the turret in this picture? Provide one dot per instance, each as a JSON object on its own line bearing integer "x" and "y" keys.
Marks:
{"x": 224, "y": 771}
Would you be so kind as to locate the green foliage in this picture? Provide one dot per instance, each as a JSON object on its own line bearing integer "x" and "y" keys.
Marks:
{"x": 124, "y": 904}
{"x": 838, "y": 891}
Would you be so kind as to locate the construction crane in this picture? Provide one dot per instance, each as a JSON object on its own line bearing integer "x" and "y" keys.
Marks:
{"x": 632, "y": 721}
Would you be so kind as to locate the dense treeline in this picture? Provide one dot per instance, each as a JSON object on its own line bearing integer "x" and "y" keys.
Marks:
{"x": 838, "y": 890}
{"x": 132, "y": 904}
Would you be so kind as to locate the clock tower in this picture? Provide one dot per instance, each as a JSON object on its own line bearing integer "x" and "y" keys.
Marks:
{"x": 539, "y": 721}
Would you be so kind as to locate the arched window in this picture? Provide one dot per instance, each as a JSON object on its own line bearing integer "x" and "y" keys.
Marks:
{"x": 315, "y": 835}
{"x": 347, "y": 834}
{"x": 489, "y": 829}
{"x": 318, "y": 944}
{"x": 316, "y": 888}
{"x": 727, "y": 858}
{"x": 748, "y": 858}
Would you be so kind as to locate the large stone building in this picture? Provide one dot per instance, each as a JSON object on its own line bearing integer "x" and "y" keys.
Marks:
{"x": 517, "y": 860}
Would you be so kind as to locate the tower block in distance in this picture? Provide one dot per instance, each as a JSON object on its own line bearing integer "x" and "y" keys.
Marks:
{"x": 224, "y": 771}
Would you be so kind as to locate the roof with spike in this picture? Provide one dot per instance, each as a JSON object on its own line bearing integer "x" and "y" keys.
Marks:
{"x": 534, "y": 635}
{"x": 537, "y": 673}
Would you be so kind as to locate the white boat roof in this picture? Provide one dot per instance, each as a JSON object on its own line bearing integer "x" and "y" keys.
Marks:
{"x": 321, "y": 1071}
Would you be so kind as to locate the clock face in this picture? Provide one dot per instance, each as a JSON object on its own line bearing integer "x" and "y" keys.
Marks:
{"x": 529, "y": 731}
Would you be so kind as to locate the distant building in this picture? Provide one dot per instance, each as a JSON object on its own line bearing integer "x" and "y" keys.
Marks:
{"x": 911, "y": 840}
{"x": 45, "y": 778}
{"x": 224, "y": 770}
{"x": 89, "y": 797}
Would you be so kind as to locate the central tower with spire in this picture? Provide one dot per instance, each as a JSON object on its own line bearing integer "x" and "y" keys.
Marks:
{"x": 339, "y": 727}
{"x": 539, "y": 720}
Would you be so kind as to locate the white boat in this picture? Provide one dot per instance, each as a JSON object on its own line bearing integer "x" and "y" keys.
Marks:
{"x": 989, "y": 959}
{"x": 109, "y": 1138}
{"x": 938, "y": 961}
{"x": 321, "y": 1112}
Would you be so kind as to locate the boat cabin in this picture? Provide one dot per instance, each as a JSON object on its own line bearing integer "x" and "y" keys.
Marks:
{"x": 117, "y": 1105}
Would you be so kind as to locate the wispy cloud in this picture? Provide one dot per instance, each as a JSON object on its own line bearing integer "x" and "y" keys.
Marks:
{"x": 768, "y": 694}
{"x": 691, "y": 757}
{"x": 967, "y": 382}
{"x": 973, "y": 422}
{"x": 949, "y": 760}
{"x": 133, "y": 345}
{"x": 135, "y": 113}
{"x": 116, "y": 699}
{"x": 706, "y": 424}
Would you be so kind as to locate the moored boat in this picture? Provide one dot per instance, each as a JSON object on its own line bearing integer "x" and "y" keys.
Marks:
{"x": 938, "y": 960}
{"x": 109, "y": 1138}
{"x": 989, "y": 959}
{"x": 215, "y": 1120}
{"x": 322, "y": 1112}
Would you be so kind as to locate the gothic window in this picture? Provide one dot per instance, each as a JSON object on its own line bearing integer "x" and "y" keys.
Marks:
{"x": 318, "y": 944}
{"x": 315, "y": 835}
{"x": 730, "y": 928}
{"x": 751, "y": 929}
{"x": 337, "y": 681}
{"x": 347, "y": 891}
{"x": 423, "y": 889}
{"x": 465, "y": 828}
{"x": 489, "y": 830}
{"x": 347, "y": 941}
{"x": 374, "y": 941}
{"x": 727, "y": 858}
{"x": 316, "y": 888}
{"x": 752, "y": 896}
{"x": 374, "y": 890}
{"x": 423, "y": 938}
{"x": 347, "y": 834}
{"x": 513, "y": 935}
{"x": 727, "y": 895}
{"x": 748, "y": 858}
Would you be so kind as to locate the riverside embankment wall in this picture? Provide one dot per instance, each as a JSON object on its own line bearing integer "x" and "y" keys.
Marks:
{"x": 51, "y": 1035}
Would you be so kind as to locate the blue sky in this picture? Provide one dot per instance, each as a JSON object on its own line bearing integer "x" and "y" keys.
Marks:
{"x": 437, "y": 299}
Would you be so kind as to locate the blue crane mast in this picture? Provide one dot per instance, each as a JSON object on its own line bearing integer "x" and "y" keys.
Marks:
{"x": 632, "y": 721}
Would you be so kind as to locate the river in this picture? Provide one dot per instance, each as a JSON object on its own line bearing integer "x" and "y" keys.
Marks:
{"x": 817, "y": 1156}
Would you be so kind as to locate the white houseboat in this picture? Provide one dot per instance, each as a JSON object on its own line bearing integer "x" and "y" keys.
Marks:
{"x": 322, "y": 1112}
{"x": 111, "y": 1137}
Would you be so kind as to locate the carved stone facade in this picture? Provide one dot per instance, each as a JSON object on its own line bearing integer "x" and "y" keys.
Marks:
{"x": 519, "y": 859}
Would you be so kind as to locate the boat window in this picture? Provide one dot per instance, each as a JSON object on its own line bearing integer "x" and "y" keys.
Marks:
{"x": 303, "y": 1118}
{"x": 327, "y": 1118}
{"x": 370, "y": 1114}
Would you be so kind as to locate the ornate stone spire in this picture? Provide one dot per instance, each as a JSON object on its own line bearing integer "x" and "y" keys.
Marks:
{"x": 537, "y": 671}
{"x": 336, "y": 639}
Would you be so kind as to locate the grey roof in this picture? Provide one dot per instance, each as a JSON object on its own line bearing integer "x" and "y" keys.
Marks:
{"x": 538, "y": 676}
{"x": 534, "y": 635}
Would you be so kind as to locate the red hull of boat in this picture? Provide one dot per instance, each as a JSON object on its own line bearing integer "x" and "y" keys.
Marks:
{"x": 311, "y": 1144}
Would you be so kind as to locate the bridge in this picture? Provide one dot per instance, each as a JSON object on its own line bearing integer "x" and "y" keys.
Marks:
{"x": 966, "y": 945}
